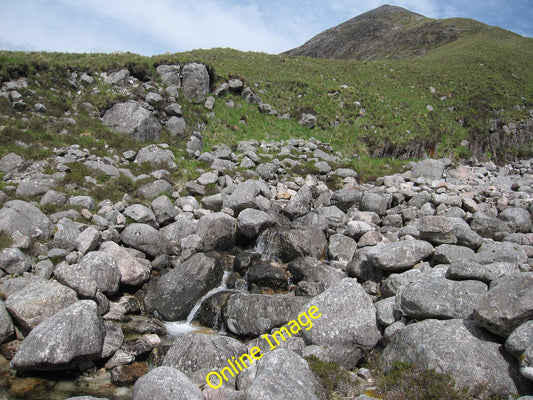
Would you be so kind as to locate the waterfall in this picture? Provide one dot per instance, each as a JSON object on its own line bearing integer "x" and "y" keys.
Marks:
{"x": 175, "y": 328}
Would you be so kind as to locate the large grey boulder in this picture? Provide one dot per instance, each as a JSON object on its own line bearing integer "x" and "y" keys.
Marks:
{"x": 507, "y": 252}
{"x": 119, "y": 78}
{"x": 176, "y": 126}
{"x": 11, "y": 162}
{"x": 218, "y": 231}
{"x": 457, "y": 347}
{"x": 197, "y": 354}
{"x": 141, "y": 214}
{"x": 25, "y": 218}
{"x": 181, "y": 228}
{"x": 400, "y": 255}
{"x": 39, "y": 300}
{"x": 76, "y": 278}
{"x": 170, "y": 74}
{"x": 429, "y": 169}
{"x": 283, "y": 375}
{"x": 289, "y": 244}
{"x": 518, "y": 218}
{"x": 507, "y": 305}
{"x": 29, "y": 188}
{"x": 520, "y": 339}
{"x": 163, "y": 209}
{"x": 6, "y": 324}
{"x": 66, "y": 234}
{"x": 103, "y": 269}
{"x": 156, "y": 157}
{"x": 72, "y": 334}
{"x": 254, "y": 314}
{"x": 375, "y": 202}
{"x": 131, "y": 119}
{"x": 434, "y": 296}
{"x": 155, "y": 189}
{"x": 195, "y": 82}
{"x": 146, "y": 239}
{"x": 174, "y": 295}
{"x": 465, "y": 269}
{"x": 487, "y": 226}
{"x": 133, "y": 271}
{"x": 395, "y": 283}
{"x": 243, "y": 197}
{"x": 13, "y": 261}
{"x": 166, "y": 383}
{"x": 347, "y": 327}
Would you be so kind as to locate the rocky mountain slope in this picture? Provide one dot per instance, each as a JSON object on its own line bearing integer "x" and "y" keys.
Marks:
{"x": 112, "y": 246}
{"x": 388, "y": 32}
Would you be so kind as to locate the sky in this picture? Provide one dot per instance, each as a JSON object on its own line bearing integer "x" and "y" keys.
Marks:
{"x": 159, "y": 26}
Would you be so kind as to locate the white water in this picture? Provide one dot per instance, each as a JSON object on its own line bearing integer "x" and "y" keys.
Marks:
{"x": 176, "y": 328}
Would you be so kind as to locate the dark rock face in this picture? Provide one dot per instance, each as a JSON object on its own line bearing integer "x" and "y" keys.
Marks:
{"x": 175, "y": 293}
{"x": 74, "y": 333}
{"x": 458, "y": 347}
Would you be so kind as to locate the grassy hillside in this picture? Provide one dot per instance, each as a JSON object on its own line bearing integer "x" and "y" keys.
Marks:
{"x": 377, "y": 108}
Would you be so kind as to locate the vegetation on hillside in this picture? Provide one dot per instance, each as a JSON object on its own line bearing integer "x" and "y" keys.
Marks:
{"x": 440, "y": 104}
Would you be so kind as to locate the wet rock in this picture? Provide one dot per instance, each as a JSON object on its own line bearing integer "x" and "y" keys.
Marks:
{"x": 210, "y": 312}
{"x": 197, "y": 354}
{"x": 72, "y": 334}
{"x": 165, "y": 383}
{"x": 456, "y": 347}
{"x": 399, "y": 256}
{"x": 347, "y": 327}
{"x": 145, "y": 238}
{"x": 173, "y": 296}
{"x": 132, "y": 119}
{"x": 113, "y": 339}
{"x": 288, "y": 244}
{"x": 254, "y": 314}
{"x": 38, "y": 300}
{"x": 263, "y": 273}
{"x": 283, "y": 374}
{"x": 127, "y": 374}
{"x": 508, "y": 304}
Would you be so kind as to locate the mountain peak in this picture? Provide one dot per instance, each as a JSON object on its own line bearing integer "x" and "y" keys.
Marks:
{"x": 387, "y": 32}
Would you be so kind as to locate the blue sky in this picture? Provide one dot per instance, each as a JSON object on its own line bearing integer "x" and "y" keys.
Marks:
{"x": 160, "y": 26}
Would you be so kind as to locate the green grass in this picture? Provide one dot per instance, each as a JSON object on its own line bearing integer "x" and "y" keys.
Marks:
{"x": 382, "y": 113}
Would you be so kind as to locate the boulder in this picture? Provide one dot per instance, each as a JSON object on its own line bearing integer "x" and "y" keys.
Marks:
{"x": 13, "y": 261}
{"x": 375, "y": 202}
{"x": 400, "y": 255}
{"x": 283, "y": 375}
{"x": 195, "y": 82}
{"x": 197, "y": 354}
{"x": 119, "y": 78}
{"x": 170, "y": 74}
{"x": 75, "y": 333}
{"x": 264, "y": 273}
{"x": 507, "y": 305}
{"x": 254, "y": 314}
{"x": 288, "y": 244}
{"x": 394, "y": 284}
{"x": 66, "y": 234}
{"x": 341, "y": 247}
{"x": 174, "y": 295}
{"x": 465, "y": 269}
{"x": 141, "y": 214}
{"x": 157, "y": 157}
{"x": 518, "y": 218}
{"x": 6, "y": 324}
{"x": 347, "y": 327}
{"x": 25, "y": 218}
{"x": 487, "y": 226}
{"x": 520, "y": 339}
{"x": 457, "y": 347}
{"x": 183, "y": 227}
{"x": 88, "y": 240}
{"x": 131, "y": 119}
{"x": 113, "y": 339}
{"x": 133, "y": 271}
{"x": 39, "y": 300}
{"x": 218, "y": 231}
{"x": 437, "y": 230}
{"x": 448, "y": 254}
{"x": 166, "y": 383}
{"x": 103, "y": 269}
{"x": 243, "y": 197}
{"x": 434, "y": 296}
{"x": 308, "y": 120}
{"x": 252, "y": 222}
{"x": 507, "y": 252}
{"x": 163, "y": 209}
{"x": 176, "y": 126}
{"x": 29, "y": 188}
{"x": 76, "y": 278}
{"x": 155, "y": 189}
{"x": 146, "y": 239}
{"x": 11, "y": 162}
{"x": 429, "y": 169}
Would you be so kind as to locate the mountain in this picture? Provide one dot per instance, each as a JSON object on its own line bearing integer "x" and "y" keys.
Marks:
{"x": 388, "y": 32}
